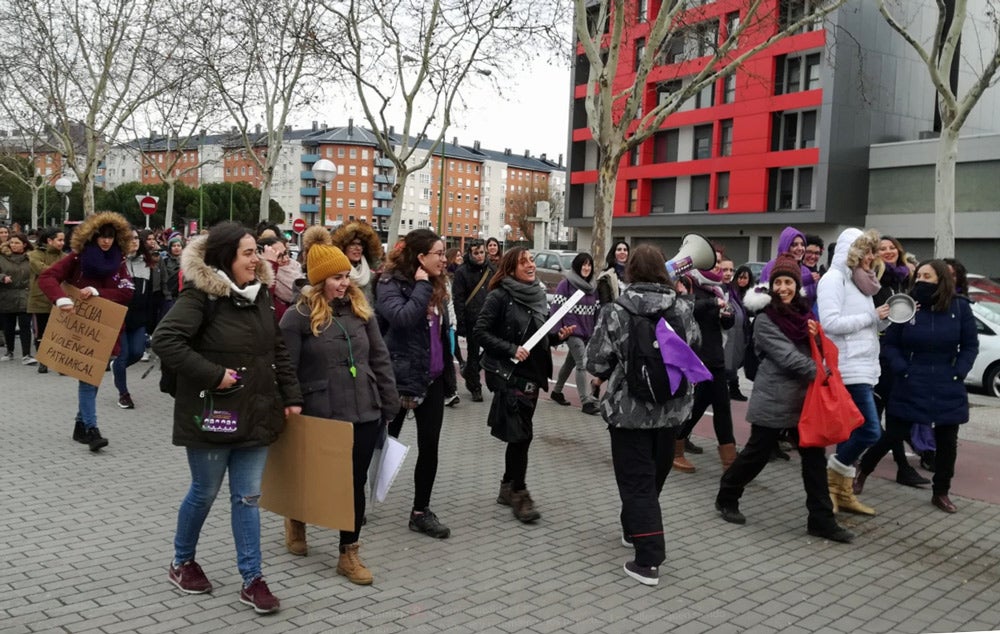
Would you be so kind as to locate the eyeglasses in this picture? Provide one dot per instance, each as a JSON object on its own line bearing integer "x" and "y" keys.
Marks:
{"x": 814, "y": 252}
{"x": 440, "y": 254}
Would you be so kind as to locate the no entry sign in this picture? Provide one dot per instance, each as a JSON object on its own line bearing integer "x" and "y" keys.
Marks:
{"x": 147, "y": 204}
{"x": 298, "y": 225}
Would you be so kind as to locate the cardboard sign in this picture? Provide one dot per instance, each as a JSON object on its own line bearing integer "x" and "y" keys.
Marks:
{"x": 79, "y": 342}
{"x": 309, "y": 475}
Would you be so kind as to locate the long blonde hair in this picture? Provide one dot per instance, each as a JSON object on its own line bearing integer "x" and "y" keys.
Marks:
{"x": 320, "y": 312}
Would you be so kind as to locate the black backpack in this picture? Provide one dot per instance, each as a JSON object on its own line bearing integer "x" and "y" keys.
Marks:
{"x": 645, "y": 372}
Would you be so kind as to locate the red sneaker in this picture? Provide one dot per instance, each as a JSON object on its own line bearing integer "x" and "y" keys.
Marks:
{"x": 189, "y": 578}
{"x": 258, "y": 596}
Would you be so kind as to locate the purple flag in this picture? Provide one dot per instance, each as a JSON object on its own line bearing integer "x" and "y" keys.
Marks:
{"x": 679, "y": 358}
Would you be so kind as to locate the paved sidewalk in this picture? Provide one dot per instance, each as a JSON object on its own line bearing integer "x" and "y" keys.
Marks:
{"x": 86, "y": 539}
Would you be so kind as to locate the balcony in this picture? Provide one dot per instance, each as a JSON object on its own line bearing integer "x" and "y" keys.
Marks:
{"x": 382, "y": 179}
{"x": 308, "y": 208}
{"x": 306, "y": 175}
{"x": 309, "y": 191}
{"x": 381, "y": 162}
{"x": 382, "y": 211}
{"x": 310, "y": 158}
{"x": 382, "y": 195}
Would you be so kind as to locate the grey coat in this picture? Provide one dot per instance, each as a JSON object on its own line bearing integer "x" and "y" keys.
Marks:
{"x": 323, "y": 362}
{"x": 785, "y": 372}
{"x": 608, "y": 349}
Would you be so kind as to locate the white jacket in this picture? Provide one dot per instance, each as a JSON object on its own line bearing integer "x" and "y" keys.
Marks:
{"x": 848, "y": 317}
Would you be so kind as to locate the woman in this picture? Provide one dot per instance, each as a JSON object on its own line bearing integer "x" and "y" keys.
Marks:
{"x": 741, "y": 336}
{"x": 852, "y": 321}
{"x": 642, "y": 432}
{"x": 514, "y": 310}
{"x": 894, "y": 277}
{"x": 172, "y": 264}
{"x": 345, "y": 374}
{"x": 929, "y": 357}
{"x": 493, "y": 252}
{"x": 611, "y": 281}
{"x": 582, "y": 317}
{"x": 15, "y": 278}
{"x": 235, "y": 386}
{"x": 793, "y": 241}
{"x": 49, "y": 251}
{"x": 453, "y": 257}
{"x": 781, "y": 335}
{"x": 132, "y": 343}
{"x": 413, "y": 314}
{"x": 362, "y": 246}
{"x": 96, "y": 266}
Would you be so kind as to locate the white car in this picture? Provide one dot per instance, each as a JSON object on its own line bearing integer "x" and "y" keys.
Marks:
{"x": 985, "y": 372}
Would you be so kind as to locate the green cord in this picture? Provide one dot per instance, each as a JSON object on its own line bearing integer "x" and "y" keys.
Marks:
{"x": 350, "y": 350}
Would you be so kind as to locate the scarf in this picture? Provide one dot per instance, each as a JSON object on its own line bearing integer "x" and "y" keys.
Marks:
{"x": 98, "y": 264}
{"x": 709, "y": 281}
{"x": 248, "y": 292}
{"x": 532, "y": 296}
{"x": 578, "y": 282}
{"x": 866, "y": 281}
{"x": 360, "y": 274}
{"x": 792, "y": 321}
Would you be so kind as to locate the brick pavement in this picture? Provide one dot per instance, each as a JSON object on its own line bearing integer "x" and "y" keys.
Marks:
{"x": 85, "y": 541}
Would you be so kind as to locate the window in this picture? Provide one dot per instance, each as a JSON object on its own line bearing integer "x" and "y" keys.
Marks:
{"x": 726, "y": 137}
{"x": 340, "y": 186}
{"x": 633, "y": 197}
{"x": 640, "y": 52}
{"x": 633, "y": 156}
{"x": 329, "y": 152}
{"x": 665, "y": 145}
{"x": 793, "y": 130}
{"x": 702, "y": 142}
{"x": 791, "y": 188}
{"x": 364, "y": 188}
{"x": 364, "y": 154}
{"x": 352, "y": 170}
{"x": 364, "y": 203}
{"x": 791, "y": 11}
{"x": 672, "y": 49}
{"x": 353, "y": 153}
{"x": 666, "y": 88}
{"x": 732, "y": 26}
{"x": 340, "y": 152}
{"x": 364, "y": 170}
{"x": 789, "y": 73}
{"x": 705, "y": 96}
{"x": 351, "y": 203}
{"x": 729, "y": 88}
{"x": 352, "y": 187}
{"x": 340, "y": 203}
{"x": 722, "y": 191}
{"x": 664, "y": 196}
{"x": 699, "y": 193}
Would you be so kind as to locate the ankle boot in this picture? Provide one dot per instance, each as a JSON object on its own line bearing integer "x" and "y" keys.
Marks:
{"x": 680, "y": 462}
{"x": 842, "y": 493}
{"x": 523, "y": 507}
{"x": 908, "y": 476}
{"x": 350, "y": 565}
{"x": 727, "y": 454}
{"x": 504, "y": 496}
{"x": 295, "y": 537}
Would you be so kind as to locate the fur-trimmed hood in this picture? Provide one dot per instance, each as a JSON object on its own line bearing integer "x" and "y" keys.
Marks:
{"x": 315, "y": 234}
{"x": 362, "y": 231}
{"x": 204, "y": 278}
{"x": 86, "y": 230}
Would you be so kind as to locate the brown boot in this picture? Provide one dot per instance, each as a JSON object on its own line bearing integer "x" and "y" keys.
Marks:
{"x": 523, "y": 507}
{"x": 295, "y": 537}
{"x": 842, "y": 488}
{"x": 350, "y": 565}
{"x": 727, "y": 454}
{"x": 504, "y": 496}
{"x": 680, "y": 462}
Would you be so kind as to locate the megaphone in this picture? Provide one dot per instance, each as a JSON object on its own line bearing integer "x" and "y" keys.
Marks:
{"x": 902, "y": 308}
{"x": 696, "y": 253}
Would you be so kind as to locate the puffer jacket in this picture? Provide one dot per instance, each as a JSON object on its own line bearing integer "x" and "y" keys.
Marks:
{"x": 930, "y": 356}
{"x": 238, "y": 334}
{"x": 783, "y": 376}
{"x": 607, "y": 351}
{"x": 14, "y": 296}
{"x": 402, "y": 312}
{"x": 323, "y": 365}
{"x": 39, "y": 260}
{"x": 848, "y": 317}
{"x": 505, "y": 324}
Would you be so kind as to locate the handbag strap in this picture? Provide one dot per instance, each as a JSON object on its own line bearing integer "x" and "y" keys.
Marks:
{"x": 482, "y": 281}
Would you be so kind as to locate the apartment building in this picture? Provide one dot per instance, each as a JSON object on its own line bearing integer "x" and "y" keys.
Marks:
{"x": 782, "y": 141}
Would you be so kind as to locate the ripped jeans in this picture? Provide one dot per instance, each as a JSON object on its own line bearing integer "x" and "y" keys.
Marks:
{"x": 208, "y": 467}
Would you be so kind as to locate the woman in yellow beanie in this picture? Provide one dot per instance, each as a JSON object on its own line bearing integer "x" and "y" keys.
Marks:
{"x": 344, "y": 369}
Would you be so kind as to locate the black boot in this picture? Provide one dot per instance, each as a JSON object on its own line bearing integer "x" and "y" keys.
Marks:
{"x": 908, "y": 476}
{"x": 79, "y": 431}
{"x": 928, "y": 460}
{"x": 735, "y": 394}
{"x": 95, "y": 440}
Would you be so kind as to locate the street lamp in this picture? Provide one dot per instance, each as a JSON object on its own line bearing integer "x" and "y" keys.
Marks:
{"x": 324, "y": 172}
{"x": 506, "y": 229}
{"x": 64, "y": 186}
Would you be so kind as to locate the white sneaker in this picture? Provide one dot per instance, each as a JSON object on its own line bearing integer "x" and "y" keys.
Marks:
{"x": 6, "y": 357}
{"x": 28, "y": 360}
{"x": 145, "y": 356}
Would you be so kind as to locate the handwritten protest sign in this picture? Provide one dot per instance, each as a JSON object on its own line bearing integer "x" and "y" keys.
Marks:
{"x": 78, "y": 343}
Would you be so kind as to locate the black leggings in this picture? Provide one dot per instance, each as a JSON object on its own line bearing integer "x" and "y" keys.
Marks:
{"x": 896, "y": 430}
{"x": 41, "y": 321}
{"x": 366, "y": 436}
{"x": 716, "y": 394}
{"x": 516, "y": 458}
{"x": 429, "y": 415}
{"x": 21, "y": 322}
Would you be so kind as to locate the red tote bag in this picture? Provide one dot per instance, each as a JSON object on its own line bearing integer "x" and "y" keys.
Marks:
{"x": 829, "y": 414}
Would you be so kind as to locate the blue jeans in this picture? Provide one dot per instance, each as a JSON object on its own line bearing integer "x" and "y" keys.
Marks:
{"x": 208, "y": 466}
{"x": 86, "y": 398}
{"x": 870, "y": 431}
{"x": 133, "y": 344}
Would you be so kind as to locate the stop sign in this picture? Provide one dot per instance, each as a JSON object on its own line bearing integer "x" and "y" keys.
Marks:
{"x": 298, "y": 225}
{"x": 147, "y": 205}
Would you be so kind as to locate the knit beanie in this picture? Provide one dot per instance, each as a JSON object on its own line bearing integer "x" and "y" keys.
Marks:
{"x": 175, "y": 238}
{"x": 786, "y": 264}
{"x": 323, "y": 261}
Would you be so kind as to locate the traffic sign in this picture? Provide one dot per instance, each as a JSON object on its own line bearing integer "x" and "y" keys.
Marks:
{"x": 298, "y": 225}
{"x": 147, "y": 204}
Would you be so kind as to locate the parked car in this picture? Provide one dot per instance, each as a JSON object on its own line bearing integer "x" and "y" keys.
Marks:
{"x": 550, "y": 267}
{"x": 983, "y": 283}
{"x": 755, "y": 268}
{"x": 985, "y": 372}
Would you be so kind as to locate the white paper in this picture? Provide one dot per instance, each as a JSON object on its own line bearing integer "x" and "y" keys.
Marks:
{"x": 389, "y": 461}
{"x": 552, "y": 322}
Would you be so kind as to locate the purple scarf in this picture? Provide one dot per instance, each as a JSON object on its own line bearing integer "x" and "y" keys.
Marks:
{"x": 98, "y": 264}
{"x": 792, "y": 320}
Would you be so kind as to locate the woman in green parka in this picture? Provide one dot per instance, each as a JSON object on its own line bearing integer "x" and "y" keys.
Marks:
{"x": 49, "y": 250}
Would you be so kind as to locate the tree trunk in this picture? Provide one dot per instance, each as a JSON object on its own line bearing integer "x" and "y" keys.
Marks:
{"x": 397, "y": 206}
{"x": 265, "y": 199}
{"x": 34, "y": 203}
{"x": 88, "y": 194}
{"x": 944, "y": 194}
{"x": 168, "y": 221}
{"x": 604, "y": 207}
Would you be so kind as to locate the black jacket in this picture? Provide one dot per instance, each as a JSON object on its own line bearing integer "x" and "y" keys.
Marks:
{"x": 712, "y": 323}
{"x": 504, "y": 325}
{"x": 238, "y": 334}
{"x": 467, "y": 277}
{"x": 401, "y": 306}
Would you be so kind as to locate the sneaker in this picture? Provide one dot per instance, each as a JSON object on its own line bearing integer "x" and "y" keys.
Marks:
{"x": 559, "y": 398}
{"x": 6, "y": 357}
{"x": 452, "y": 400}
{"x": 648, "y": 576}
{"x": 189, "y": 578}
{"x": 94, "y": 438}
{"x": 477, "y": 396}
{"x": 125, "y": 401}
{"x": 258, "y": 596}
{"x": 427, "y": 523}
{"x": 145, "y": 356}
{"x": 592, "y": 408}
{"x": 43, "y": 369}
{"x": 79, "y": 431}
{"x": 28, "y": 360}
